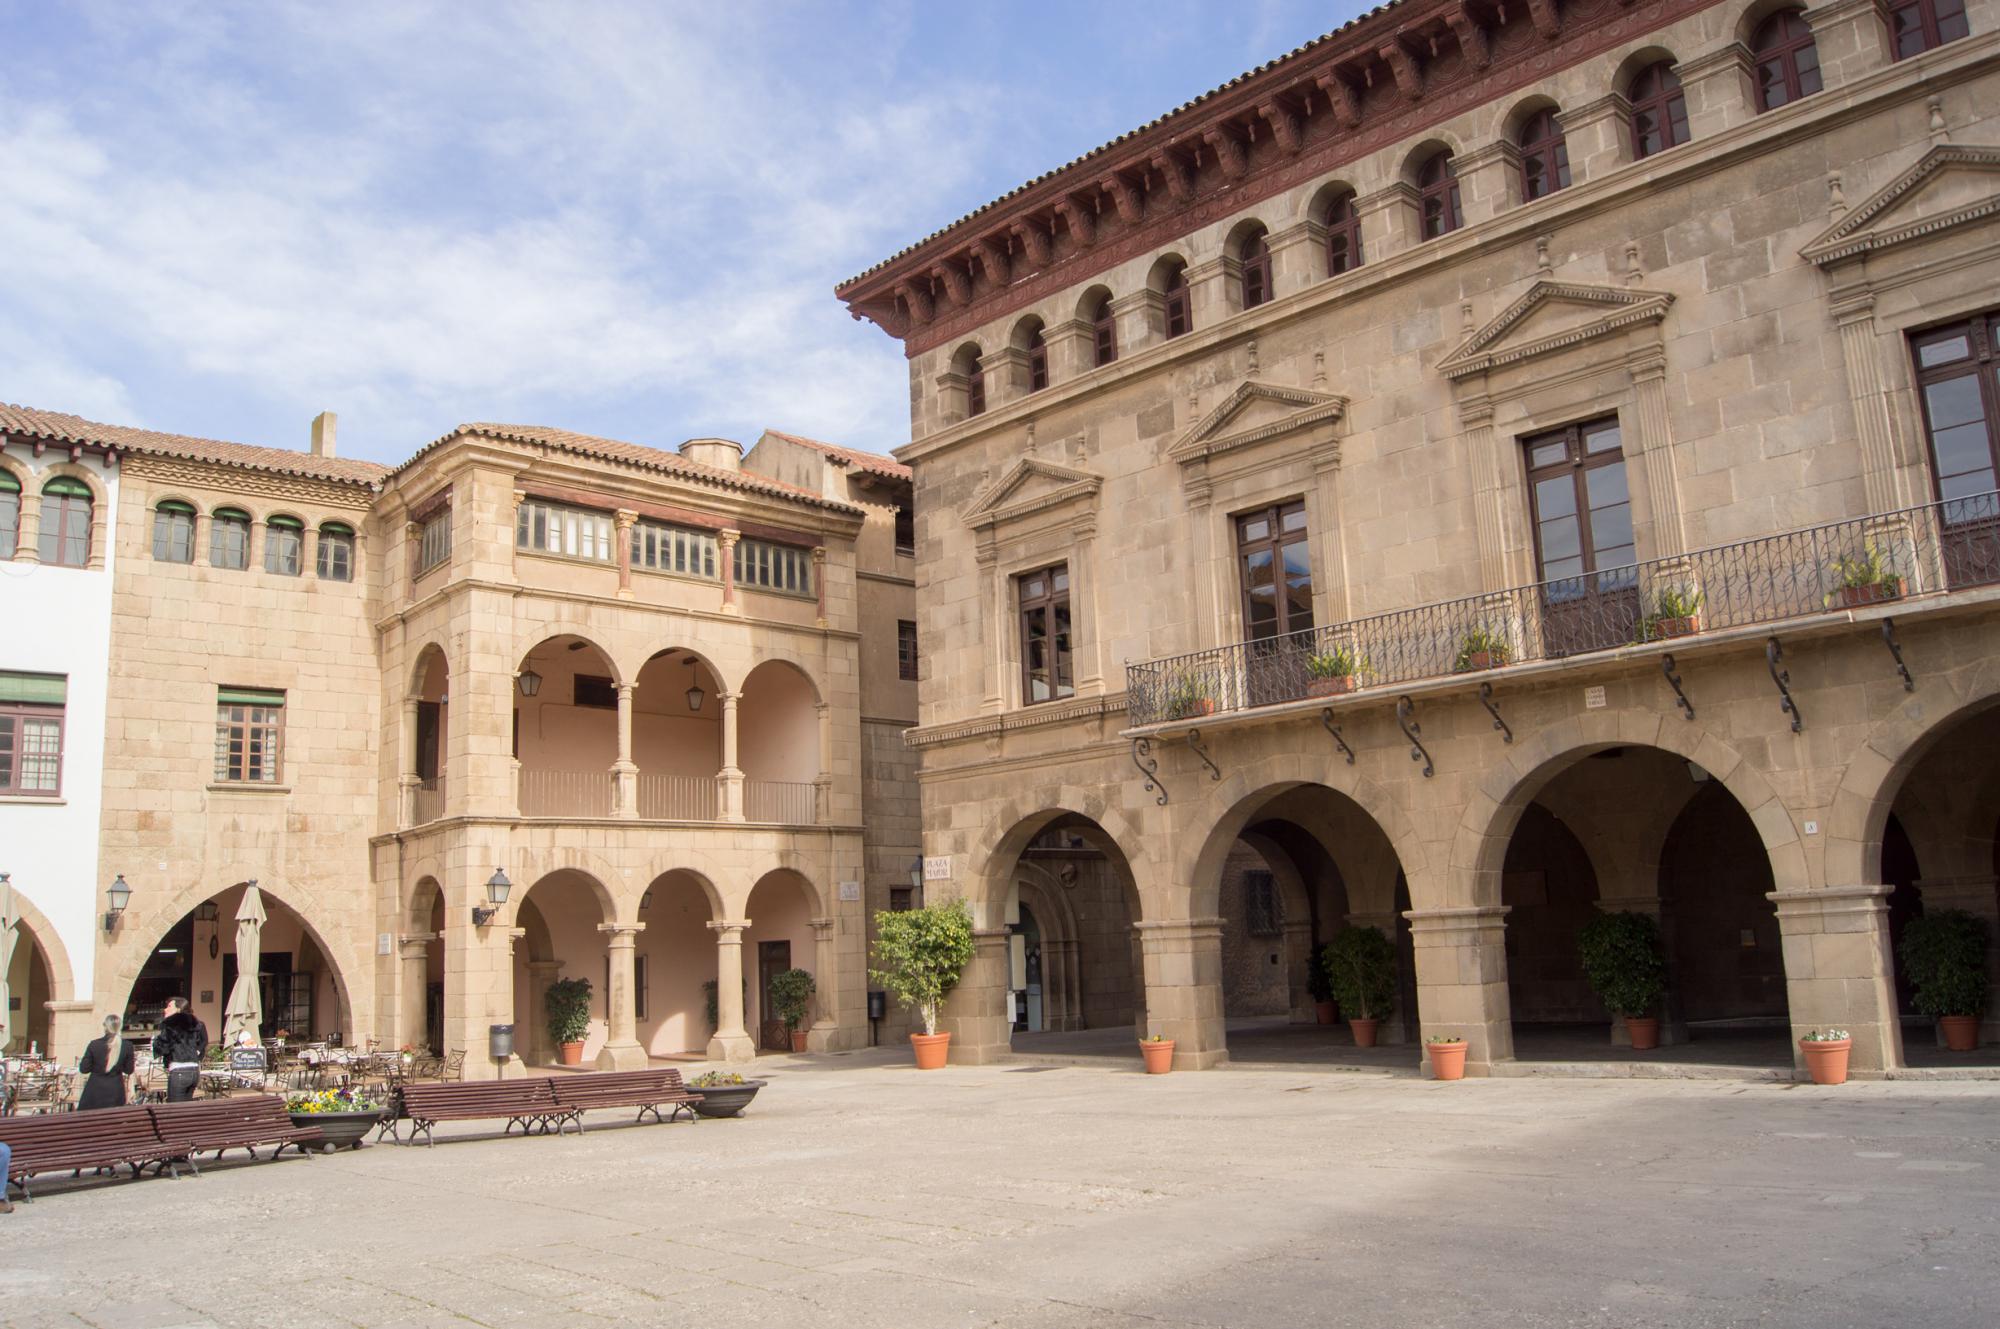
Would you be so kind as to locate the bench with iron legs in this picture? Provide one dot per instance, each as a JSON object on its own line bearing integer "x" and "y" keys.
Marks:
{"x": 646, "y": 1090}
{"x": 78, "y": 1141}
{"x": 222, "y": 1124}
{"x": 528, "y": 1104}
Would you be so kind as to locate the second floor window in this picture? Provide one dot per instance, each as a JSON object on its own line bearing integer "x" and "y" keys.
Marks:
{"x": 335, "y": 555}
{"x": 433, "y": 540}
{"x": 1274, "y": 556}
{"x": 173, "y": 532}
{"x": 556, "y": 528}
{"x": 1787, "y": 60}
{"x": 31, "y": 733}
{"x": 249, "y": 734}
{"x": 285, "y": 546}
{"x": 1256, "y": 263}
{"x": 1437, "y": 197}
{"x": 1582, "y": 509}
{"x": 1038, "y": 361}
{"x": 1104, "y": 333}
{"x": 774, "y": 567}
{"x": 1180, "y": 312}
{"x": 662, "y": 548}
{"x": 66, "y": 523}
{"x": 1343, "y": 236}
{"x": 1919, "y": 25}
{"x": 1659, "y": 110}
{"x": 975, "y": 389}
{"x": 906, "y": 650}
{"x": 1544, "y": 157}
{"x": 1045, "y": 634}
{"x": 1958, "y": 381}
{"x": 229, "y": 539}
{"x": 10, "y": 515}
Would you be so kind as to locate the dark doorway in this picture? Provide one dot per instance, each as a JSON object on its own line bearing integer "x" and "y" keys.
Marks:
{"x": 773, "y": 958}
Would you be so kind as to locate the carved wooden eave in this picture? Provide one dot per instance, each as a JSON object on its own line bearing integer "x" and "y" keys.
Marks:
{"x": 1553, "y": 315}
{"x": 1952, "y": 185}
{"x": 1029, "y": 486}
{"x": 1256, "y": 413}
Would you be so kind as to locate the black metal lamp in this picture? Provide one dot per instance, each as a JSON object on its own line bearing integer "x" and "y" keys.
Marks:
{"x": 916, "y": 874}
{"x": 530, "y": 682}
{"x": 117, "y": 895}
{"x": 694, "y": 693}
{"x": 497, "y": 889}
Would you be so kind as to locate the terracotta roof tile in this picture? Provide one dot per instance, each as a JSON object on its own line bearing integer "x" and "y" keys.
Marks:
{"x": 58, "y": 427}
{"x": 873, "y": 462}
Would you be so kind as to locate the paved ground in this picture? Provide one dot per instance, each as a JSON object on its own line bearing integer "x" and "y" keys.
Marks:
{"x": 860, "y": 1193}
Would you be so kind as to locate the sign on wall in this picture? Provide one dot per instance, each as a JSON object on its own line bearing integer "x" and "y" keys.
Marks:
{"x": 938, "y": 868}
{"x": 850, "y": 890}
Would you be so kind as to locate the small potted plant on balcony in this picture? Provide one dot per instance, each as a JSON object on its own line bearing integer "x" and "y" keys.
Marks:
{"x": 1864, "y": 579}
{"x": 1826, "y": 1055}
{"x": 568, "y": 1006}
{"x": 1185, "y": 698}
{"x": 791, "y": 995}
{"x": 723, "y": 1093}
{"x": 1361, "y": 967}
{"x": 1334, "y": 672}
{"x": 1676, "y": 613}
{"x": 1481, "y": 648}
{"x": 1159, "y": 1054}
{"x": 1944, "y": 957}
{"x": 1447, "y": 1053}
{"x": 921, "y": 954}
{"x": 1623, "y": 965}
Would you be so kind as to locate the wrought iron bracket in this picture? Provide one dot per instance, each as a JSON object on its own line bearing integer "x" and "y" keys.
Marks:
{"x": 1486, "y": 700}
{"x": 1149, "y": 766}
{"x": 1674, "y": 682}
{"x": 1782, "y": 677}
{"x": 1896, "y": 649}
{"x": 1406, "y": 716}
{"x": 1194, "y": 746}
{"x": 1326, "y": 718}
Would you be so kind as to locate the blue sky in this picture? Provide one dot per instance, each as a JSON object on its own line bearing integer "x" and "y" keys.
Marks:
{"x": 624, "y": 219}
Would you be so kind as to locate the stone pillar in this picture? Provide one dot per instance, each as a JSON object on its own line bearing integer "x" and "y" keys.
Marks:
{"x": 731, "y": 1043}
{"x": 1462, "y": 980}
{"x": 1298, "y": 970}
{"x": 986, "y": 555}
{"x": 1881, "y": 480}
{"x": 823, "y": 780}
{"x": 825, "y": 1032}
{"x": 1399, "y": 1025}
{"x": 535, "y": 1038}
{"x": 1183, "y": 977}
{"x": 1007, "y": 375}
{"x": 1656, "y": 445}
{"x": 626, "y": 519}
{"x": 819, "y": 585}
{"x": 28, "y": 540}
{"x": 1488, "y": 180}
{"x": 406, "y": 765}
{"x": 1978, "y": 895}
{"x": 414, "y": 952}
{"x": 1489, "y": 487}
{"x": 1140, "y": 319}
{"x": 1298, "y": 257}
{"x": 1719, "y": 89}
{"x": 621, "y": 1050}
{"x": 1072, "y": 346}
{"x": 1852, "y": 38}
{"x": 481, "y": 991}
{"x": 1598, "y": 135}
{"x": 974, "y": 1012}
{"x": 625, "y": 771}
{"x": 729, "y": 780}
{"x": 1837, "y": 969}
{"x": 1088, "y": 646}
{"x": 1388, "y": 221}
{"x": 725, "y": 541}
{"x": 1215, "y": 291}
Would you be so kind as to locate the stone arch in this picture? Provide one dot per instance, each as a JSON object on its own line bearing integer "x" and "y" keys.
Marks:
{"x": 1638, "y": 60}
{"x": 421, "y": 903}
{"x": 429, "y": 649}
{"x": 777, "y": 655}
{"x": 1518, "y": 115}
{"x": 20, "y": 470}
{"x": 1092, "y": 301}
{"x": 1029, "y": 813}
{"x": 1328, "y": 194}
{"x": 635, "y": 664}
{"x": 1242, "y": 233}
{"x": 1025, "y": 329}
{"x": 1753, "y": 16}
{"x": 967, "y": 358}
{"x": 62, "y": 978}
{"x": 1439, "y": 142}
{"x": 563, "y": 631}
{"x": 594, "y": 878}
{"x": 702, "y": 877}
{"x": 1164, "y": 267}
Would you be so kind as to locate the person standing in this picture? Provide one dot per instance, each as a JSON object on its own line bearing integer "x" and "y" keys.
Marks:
{"x": 107, "y": 1062}
{"x": 179, "y": 1047}
{"x": 6, "y": 1151}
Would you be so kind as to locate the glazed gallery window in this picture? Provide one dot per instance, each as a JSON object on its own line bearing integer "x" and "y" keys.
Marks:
{"x": 285, "y": 546}
{"x": 774, "y": 567}
{"x": 173, "y": 532}
{"x": 975, "y": 388}
{"x": 906, "y": 650}
{"x": 1274, "y": 560}
{"x": 1659, "y": 111}
{"x": 433, "y": 540}
{"x": 65, "y": 539}
{"x": 1104, "y": 333}
{"x": 229, "y": 539}
{"x": 334, "y": 558}
{"x": 1180, "y": 310}
{"x": 1043, "y": 597}
{"x": 1437, "y": 197}
{"x": 249, "y": 735}
{"x": 10, "y": 515}
{"x": 1544, "y": 156}
{"x": 31, "y": 733}
{"x": 1256, "y": 264}
{"x": 1918, "y": 25}
{"x": 676, "y": 549}
{"x": 1343, "y": 236}
{"x": 1582, "y": 510}
{"x": 1787, "y": 60}
{"x": 1958, "y": 379}
{"x": 555, "y": 528}
{"x": 1038, "y": 361}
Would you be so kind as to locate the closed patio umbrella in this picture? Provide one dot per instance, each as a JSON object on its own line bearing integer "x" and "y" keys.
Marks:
{"x": 246, "y": 998}
{"x": 7, "y": 955}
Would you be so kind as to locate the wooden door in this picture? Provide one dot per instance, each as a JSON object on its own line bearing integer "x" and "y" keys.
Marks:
{"x": 1582, "y": 511}
{"x": 773, "y": 958}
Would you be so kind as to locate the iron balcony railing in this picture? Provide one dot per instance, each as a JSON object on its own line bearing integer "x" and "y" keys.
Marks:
{"x": 1925, "y": 550}
{"x": 784, "y": 802}
{"x": 567, "y": 793}
{"x": 427, "y": 801}
{"x": 678, "y": 797}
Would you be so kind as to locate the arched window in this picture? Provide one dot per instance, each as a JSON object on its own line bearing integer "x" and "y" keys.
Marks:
{"x": 1437, "y": 197}
{"x": 173, "y": 532}
{"x": 1180, "y": 313}
{"x": 1104, "y": 332}
{"x": 1544, "y": 156}
{"x": 1038, "y": 361}
{"x": 1787, "y": 60}
{"x": 1255, "y": 259}
{"x": 975, "y": 387}
{"x": 10, "y": 515}
{"x": 284, "y": 546}
{"x": 334, "y": 560}
{"x": 1659, "y": 111}
{"x": 1918, "y": 25}
{"x": 229, "y": 539}
{"x": 66, "y": 523}
{"x": 1343, "y": 236}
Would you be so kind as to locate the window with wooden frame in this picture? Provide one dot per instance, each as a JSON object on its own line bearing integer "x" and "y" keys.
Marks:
{"x": 1580, "y": 505}
{"x": 434, "y": 540}
{"x": 1274, "y": 566}
{"x": 249, "y": 735}
{"x": 1043, "y": 600}
{"x": 902, "y": 899}
{"x": 975, "y": 387}
{"x": 229, "y": 539}
{"x": 1038, "y": 361}
{"x": 285, "y": 546}
{"x": 766, "y": 566}
{"x": 906, "y": 650}
{"x": 1958, "y": 385}
{"x": 1343, "y": 236}
{"x": 31, "y": 733}
{"x": 1544, "y": 156}
{"x": 906, "y": 529}
{"x": 1180, "y": 309}
{"x": 1659, "y": 110}
{"x": 173, "y": 532}
{"x": 1104, "y": 333}
{"x": 1438, "y": 208}
{"x": 1918, "y": 25}
{"x": 1787, "y": 60}
{"x": 333, "y": 559}
{"x": 1255, "y": 263}
{"x": 543, "y": 527}
{"x": 10, "y": 515}
{"x": 681, "y": 550}
{"x": 65, "y": 541}
{"x": 594, "y": 692}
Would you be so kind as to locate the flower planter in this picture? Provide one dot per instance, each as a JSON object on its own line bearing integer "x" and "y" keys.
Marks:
{"x": 1483, "y": 660}
{"x": 798, "y": 1040}
{"x": 1663, "y": 628}
{"x": 930, "y": 1050}
{"x": 1856, "y": 597}
{"x": 1194, "y": 710}
{"x": 1323, "y": 1012}
{"x": 1159, "y": 1055}
{"x": 1826, "y": 1060}
{"x": 572, "y": 1054}
{"x": 1364, "y": 1032}
{"x": 1330, "y": 687}
{"x": 343, "y": 1130}
{"x": 725, "y": 1100}
{"x": 1961, "y": 1032}
{"x": 1644, "y": 1031}
{"x": 1447, "y": 1059}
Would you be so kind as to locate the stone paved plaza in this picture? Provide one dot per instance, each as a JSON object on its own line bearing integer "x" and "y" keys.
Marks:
{"x": 859, "y": 1192}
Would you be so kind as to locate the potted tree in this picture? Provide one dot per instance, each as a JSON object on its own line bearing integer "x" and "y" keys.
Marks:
{"x": 1481, "y": 648}
{"x": 1944, "y": 957}
{"x": 1676, "y": 613}
{"x": 1321, "y": 987}
{"x": 1447, "y": 1056}
{"x": 1159, "y": 1054}
{"x": 791, "y": 995}
{"x": 1826, "y": 1055}
{"x": 1332, "y": 673}
{"x": 1864, "y": 579}
{"x": 568, "y": 1005}
{"x": 1622, "y": 963}
{"x": 1186, "y": 698}
{"x": 921, "y": 953}
{"x": 1361, "y": 969}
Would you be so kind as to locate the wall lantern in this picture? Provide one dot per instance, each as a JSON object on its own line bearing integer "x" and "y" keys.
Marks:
{"x": 916, "y": 874}
{"x": 531, "y": 682}
{"x": 497, "y": 889}
{"x": 117, "y": 895}
{"x": 207, "y": 912}
{"x": 694, "y": 692}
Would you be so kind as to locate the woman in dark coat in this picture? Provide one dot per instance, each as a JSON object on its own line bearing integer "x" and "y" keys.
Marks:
{"x": 107, "y": 1061}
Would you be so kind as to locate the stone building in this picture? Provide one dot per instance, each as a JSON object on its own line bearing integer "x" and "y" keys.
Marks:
{"x": 531, "y": 705}
{"x": 1490, "y": 465}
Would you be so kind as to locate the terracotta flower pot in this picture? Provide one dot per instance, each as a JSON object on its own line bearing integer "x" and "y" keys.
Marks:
{"x": 572, "y": 1054}
{"x": 1323, "y": 1012}
{"x": 930, "y": 1050}
{"x": 1855, "y": 597}
{"x": 1644, "y": 1031}
{"x": 1664, "y": 628}
{"x": 1961, "y": 1032}
{"x": 1826, "y": 1062}
{"x": 1484, "y": 660}
{"x": 1159, "y": 1055}
{"x": 1330, "y": 687}
{"x": 1447, "y": 1059}
{"x": 798, "y": 1040}
{"x": 1364, "y": 1032}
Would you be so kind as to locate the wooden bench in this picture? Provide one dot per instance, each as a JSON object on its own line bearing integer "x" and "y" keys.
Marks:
{"x": 529, "y": 1104}
{"x": 648, "y": 1090}
{"x": 222, "y": 1124}
{"x": 74, "y": 1141}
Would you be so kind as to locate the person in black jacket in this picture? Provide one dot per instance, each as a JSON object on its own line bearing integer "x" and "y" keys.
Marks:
{"x": 108, "y": 1061}
{"x": 179, "y": 1046}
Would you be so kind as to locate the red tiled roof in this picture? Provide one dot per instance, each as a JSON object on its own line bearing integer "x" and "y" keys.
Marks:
{"x": 58, "y": 427}
{"x": 873, "y": 462}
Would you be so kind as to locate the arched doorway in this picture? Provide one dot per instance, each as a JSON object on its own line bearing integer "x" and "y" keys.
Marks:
{"x": 36, "y": 972}
{"x": 421, "y": 1016}
{"x": 431, "y": 736}
{"x": 675, "y": 966}
{"x": 779, "y": 745}
{"x": 780, "y": 937}
{"x": 560, "y": 915}
{"x": 1073, "y": 961}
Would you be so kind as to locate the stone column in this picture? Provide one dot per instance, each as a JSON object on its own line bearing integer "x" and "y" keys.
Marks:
{"x": 1489, "y": 487}
{"x": 1388, "y": 221}
{"x": 1298, "y": 970}
{"x": 1330, "y": 579}
{"x": 1462, "y": 980}
{"x": 1852, "y": 38}
{"x": 1072, "y": 347}
{"x": 729, "y": 780}
{"x": 1976, "y": 895}
{"x": 541, "y": 973}
{"x": 256, "y": 537}
{"x": 626, "y": 519}
{"x": 1183, "y": 978}
{"x": 1656, "y": 445}
{"x": 1007, "y": 376}
{"x": 987, "y": 556}
{"x": 621, "y": 1050}
{"x": 1215, "y": 291}
{"x": 1598, "y": 135}
{"x": 1837, "y": 969}
{"x": 823, "y": 780}
{"x": 202, "y": 533}
{"x": 974, "y": 1012}
{"x": 1881, "y": 480}
{"x": 731, "y": 1043}
{"x": 1488, "y": 180}
{"x": 1298, "y": 257}
{"x": 414, "y": 952}
{"x": 28, "y": 540}
{"x": 406, "y": 765}
{"x": 825, "y": 1031}
{"x": 819, "y": 585}
{"x": 1719, "y": 90}
{"x": 1087, "y": 645}
{"x": 1140, "y": 319}
{"x": 726, "y": 555}
{"x": 625, "y": 771}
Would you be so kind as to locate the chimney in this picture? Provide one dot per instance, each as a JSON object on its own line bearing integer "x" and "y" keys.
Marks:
{"x": 322, "y": 444}
{"x": 721, "y": 453}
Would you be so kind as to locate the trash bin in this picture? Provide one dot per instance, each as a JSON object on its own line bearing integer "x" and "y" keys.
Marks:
{"x": 500, "y": 1041}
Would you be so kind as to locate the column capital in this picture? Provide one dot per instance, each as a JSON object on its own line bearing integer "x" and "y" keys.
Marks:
{"x": 545, "y": 968}
{"x": 819, "y": 554}
{"x": 621, "y": 932}
{"x": 727, "y": 537}
{"x": 625, "y": 518}
{"x": 823, "y": 926}
{"x": 729, "y": 931}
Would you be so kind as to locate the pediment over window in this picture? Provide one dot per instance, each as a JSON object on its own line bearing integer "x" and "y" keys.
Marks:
{"x": 1031, "y": 485}
{"x": 1551, "y": 316}
{"x": 1255, "y": 413}
{"x": 1951, "y": 185}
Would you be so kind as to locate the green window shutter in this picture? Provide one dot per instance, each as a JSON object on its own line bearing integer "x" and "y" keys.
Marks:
{"x": 286, "y": 523}
{"x": 249, "y": 697}
{"x": 8, "y": 484}
{"x": 175, "y": 505}
{"x": 335, "y": 528}
{"x": 231, "y": 514}
{"x": 35, "y": 689}
{"x": 64, "y": 487}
